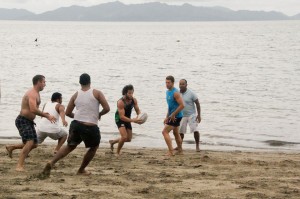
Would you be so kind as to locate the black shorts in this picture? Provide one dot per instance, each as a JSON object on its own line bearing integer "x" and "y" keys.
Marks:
{"x": 127, "y": 125}
{"x": 175, "y": 123}
{"x": 79, "y": 132}
{"x": 26, "y": 129}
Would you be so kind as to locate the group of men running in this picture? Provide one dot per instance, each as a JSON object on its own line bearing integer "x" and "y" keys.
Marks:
{"x": 84, "y": 126}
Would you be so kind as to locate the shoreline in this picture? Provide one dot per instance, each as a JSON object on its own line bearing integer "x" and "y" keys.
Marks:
{"x": 148, "y": 173}
{"x": 274, "y": 145}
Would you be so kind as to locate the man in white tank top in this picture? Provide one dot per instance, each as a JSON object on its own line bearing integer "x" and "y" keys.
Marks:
{"x": 47, "y": 129}
{"x": 84, "y": 127}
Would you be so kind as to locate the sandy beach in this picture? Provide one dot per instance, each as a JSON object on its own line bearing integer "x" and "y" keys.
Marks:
{"x": 147, "y": 173}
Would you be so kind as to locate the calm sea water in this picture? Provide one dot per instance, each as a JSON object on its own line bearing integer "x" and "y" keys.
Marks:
{"x": 246, "y": 75}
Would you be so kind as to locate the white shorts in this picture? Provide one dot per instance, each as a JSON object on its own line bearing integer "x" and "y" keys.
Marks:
{"x": 193, "y": 124}
{"x": 41, "y": 136}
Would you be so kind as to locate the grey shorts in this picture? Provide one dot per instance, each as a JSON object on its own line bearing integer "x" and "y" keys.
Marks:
{"x": 41, "y": 136}
{"x": 191, "y": 121}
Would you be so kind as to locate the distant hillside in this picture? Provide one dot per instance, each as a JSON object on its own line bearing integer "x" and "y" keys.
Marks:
{"x": 117, "y": 11}
{"x": 11, "y": 14}
{"x": 296, "y": 17}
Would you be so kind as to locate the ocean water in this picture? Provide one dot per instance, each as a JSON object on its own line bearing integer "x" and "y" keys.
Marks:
{"x": 246, "y": 75}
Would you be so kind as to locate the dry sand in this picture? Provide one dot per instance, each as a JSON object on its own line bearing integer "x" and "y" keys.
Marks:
{"x": 147, "y": 173}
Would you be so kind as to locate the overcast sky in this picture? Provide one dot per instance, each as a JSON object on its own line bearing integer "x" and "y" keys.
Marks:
{"x": 289, "y": 7}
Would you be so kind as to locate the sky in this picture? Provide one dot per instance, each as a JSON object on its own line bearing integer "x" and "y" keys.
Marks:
{"x": 288, "y": 7}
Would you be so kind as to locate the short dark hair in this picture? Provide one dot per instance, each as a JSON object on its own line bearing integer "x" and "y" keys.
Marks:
{"x": 37, "y": 79}
{"x": 171, "y": 78}
{"x": 127, "y": 88}
{"x": 56, "y": 96}
{"x": 184, "y": 80}
{"x": 85, "y": 79}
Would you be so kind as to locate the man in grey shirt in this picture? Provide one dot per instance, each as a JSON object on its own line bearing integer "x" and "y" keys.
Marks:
{"x": 189, "y": 112}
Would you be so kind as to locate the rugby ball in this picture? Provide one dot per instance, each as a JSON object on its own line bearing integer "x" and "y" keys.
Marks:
{"x": 143, "y": 117}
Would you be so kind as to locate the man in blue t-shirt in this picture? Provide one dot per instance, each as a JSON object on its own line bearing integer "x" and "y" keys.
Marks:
{"x": 189, "y": 112}
{"x": 174, "y": 115}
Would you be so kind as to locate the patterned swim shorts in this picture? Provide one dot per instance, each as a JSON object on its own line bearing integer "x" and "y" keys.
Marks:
{"x": 26, "y": 129}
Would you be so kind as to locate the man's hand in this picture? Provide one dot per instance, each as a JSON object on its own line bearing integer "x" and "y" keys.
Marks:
{"x": 172, "y": 118}
{"x": 65, "y": 123}
{"x": 166, "y": 120}
{"x": 51, "y": 118}
{"x": 198, "y": 119}
{"x": 137, "y": 120}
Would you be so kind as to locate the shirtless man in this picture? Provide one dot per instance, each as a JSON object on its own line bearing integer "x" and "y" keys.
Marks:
{"x": 84, "y": 127}
{"x": 24, "y": 122}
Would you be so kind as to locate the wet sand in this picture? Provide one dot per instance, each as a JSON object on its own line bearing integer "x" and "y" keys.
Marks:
{"x": 148, "y": 173}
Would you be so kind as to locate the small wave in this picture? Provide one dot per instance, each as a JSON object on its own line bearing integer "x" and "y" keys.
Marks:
{"x": 9, "y": 138}
{"x": 279, "y": 143}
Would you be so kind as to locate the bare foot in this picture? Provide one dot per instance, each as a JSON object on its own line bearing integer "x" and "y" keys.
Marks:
{"x": 9, "y": 151}
{"x": 47, "y": 169}
{"x": 179, "y": 152}
{"x": 20, "y": 169}
{"x": 170, "y": 154}
{"x": 111, "y": 145}
{"x": 84, "y": 173}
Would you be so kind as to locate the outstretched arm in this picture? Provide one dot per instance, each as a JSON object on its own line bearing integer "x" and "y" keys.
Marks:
{"x": 32, "y": 99}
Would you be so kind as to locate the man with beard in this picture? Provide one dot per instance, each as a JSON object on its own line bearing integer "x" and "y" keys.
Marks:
{"x": 189, "y": 112}
{"x": 123, "y": 117}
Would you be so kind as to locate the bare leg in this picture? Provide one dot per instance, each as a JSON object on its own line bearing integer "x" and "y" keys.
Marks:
{"x": 24, "y": 153}
{"x": 197, "y": 140}
{"x": 182, "y": 136}
{"x": 124, "y": 136}
{"x": 168, "y": 140}
{"x": 64, "y": 151}
{"x": 112, "y": 142}
{"x": 178, "y": 140}
{"x": 60, "y": 142}
{"x": 10, "y": 149}
{"x": 86, "y": 160}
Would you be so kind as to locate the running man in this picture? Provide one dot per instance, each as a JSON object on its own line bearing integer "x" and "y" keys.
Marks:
{"x": 84, "y": 127}
{"x": 47, "y": 129}
{"x": 123, "y": 117}
{"x": 189, "y": 112}
{"x": 25, "y": 121}
{"x": 174, "y": 116}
